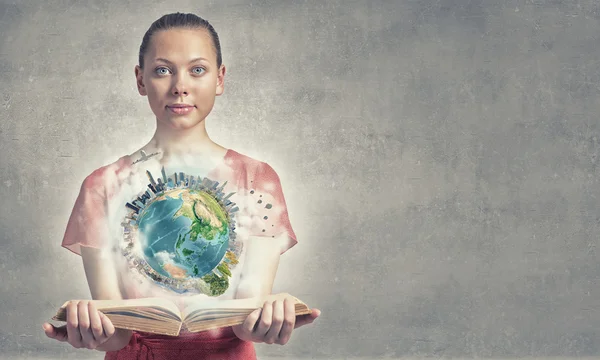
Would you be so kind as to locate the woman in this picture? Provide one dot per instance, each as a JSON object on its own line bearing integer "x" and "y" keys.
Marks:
{"x": 180, "y": 71}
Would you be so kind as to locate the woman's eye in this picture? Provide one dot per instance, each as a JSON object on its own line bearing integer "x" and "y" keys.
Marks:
{"x": 162, "y": 71}
{"x": 198, "y": 70}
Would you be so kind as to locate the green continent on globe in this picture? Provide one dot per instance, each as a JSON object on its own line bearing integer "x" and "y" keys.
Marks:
{"x": 207, "y": 216}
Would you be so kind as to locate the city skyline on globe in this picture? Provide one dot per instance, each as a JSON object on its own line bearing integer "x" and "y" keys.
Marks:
{"x": 184, "y": 233}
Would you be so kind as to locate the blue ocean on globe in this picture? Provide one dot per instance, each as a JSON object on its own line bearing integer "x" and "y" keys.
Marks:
{"x": 185, "y": 234}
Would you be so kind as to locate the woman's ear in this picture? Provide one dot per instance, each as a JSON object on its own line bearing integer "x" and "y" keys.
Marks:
{"x": 139, "y": 79}
{"x": 221, "y": 80}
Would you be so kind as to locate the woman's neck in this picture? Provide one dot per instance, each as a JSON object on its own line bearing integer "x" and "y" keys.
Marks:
{"x": 174, "y": 144}
{"x": 177, "y": 142}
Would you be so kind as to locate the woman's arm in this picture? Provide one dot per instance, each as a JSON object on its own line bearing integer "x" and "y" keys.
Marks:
{"x": 86, "y": 326}
{"x": 274, "y": 322}
{"x": 260, "y": 267}
{"x": 101, "y": 274}
{"x": 103, "y": 281}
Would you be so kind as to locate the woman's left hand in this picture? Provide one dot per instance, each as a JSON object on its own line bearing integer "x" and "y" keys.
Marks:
{"x": 274, "y": 322}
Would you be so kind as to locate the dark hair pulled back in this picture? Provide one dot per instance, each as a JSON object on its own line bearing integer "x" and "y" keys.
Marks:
{"x": 177, "y": 21}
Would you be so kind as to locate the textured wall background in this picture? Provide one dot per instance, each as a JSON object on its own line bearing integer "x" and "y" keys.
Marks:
{"x": 440, "y": 161}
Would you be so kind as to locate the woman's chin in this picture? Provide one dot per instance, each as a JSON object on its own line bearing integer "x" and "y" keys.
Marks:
{"x": 181, "y": 123}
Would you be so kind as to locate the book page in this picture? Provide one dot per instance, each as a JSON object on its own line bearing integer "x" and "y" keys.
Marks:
{"x": 234, "y": 304}
{"x": 201, "y": 320}
{"x": 154, "y": 302}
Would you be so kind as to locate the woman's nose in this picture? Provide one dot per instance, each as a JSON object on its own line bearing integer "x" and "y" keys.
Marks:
{"x": 180, "y": 88}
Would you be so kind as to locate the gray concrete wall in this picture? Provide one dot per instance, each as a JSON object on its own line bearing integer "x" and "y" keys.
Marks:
{"x": 439, "y": 159}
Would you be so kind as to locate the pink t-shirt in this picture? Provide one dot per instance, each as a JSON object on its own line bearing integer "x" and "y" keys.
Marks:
{"x": 100, "y": 207}
{"x": 257, "y": 188}
{"x": 98, "y": 211}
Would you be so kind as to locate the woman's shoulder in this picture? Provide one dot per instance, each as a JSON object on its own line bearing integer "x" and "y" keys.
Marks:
{"x": 241, "y": 161}
{"x": 254, "y": 170}
{"x": 106, "y": 175}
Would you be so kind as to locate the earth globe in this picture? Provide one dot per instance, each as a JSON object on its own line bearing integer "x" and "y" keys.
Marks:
{"x": 184, "y": 235}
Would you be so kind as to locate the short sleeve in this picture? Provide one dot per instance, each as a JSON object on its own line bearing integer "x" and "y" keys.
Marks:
{"x": 87, "y": 224}
{"x": 270, "y": 209}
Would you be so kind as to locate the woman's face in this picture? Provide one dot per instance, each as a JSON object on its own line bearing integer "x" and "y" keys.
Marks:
{"x": 180, "y": 76}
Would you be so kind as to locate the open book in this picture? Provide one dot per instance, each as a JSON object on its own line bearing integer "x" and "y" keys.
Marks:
{"x": 162, "y": 316}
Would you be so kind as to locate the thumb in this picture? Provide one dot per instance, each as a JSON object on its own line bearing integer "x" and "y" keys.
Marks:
{"x": 308, "y": 318}
{"x": 53, "y": 332}
{"x": 48, "y": 329}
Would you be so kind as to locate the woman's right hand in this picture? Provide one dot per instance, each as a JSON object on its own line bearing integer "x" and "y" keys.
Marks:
{"x": 86, "y": 326}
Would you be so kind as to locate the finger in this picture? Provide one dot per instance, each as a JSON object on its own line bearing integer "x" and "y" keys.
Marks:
{"x": 48, "y": 330}
{"x": 265, "y": 320}
{"x": 73, "y": 334}
{"x": 289, "y": 321}
{"x": 96, "y": 324}
{"x": 251, "y": 321}
{"x": 87, "y": 339}
{"x": 55, "y": 333}
{"x": 272, "y": 334}
{"x": 107, "y": 325}
{"x": 307, "y": 319}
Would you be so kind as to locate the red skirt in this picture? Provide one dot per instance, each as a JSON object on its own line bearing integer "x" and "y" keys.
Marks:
{"x": 202, "y": 345}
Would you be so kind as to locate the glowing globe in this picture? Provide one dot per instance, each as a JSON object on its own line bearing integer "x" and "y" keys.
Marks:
{"x": 184, "y": 233}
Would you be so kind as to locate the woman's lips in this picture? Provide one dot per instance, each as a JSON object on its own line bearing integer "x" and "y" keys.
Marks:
{"x": 181, "y": 109}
